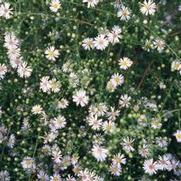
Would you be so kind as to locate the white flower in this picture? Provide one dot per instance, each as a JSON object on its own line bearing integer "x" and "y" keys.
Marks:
{"x": 114, "y": 36}
{"x": 125, "y": 63}
{"x": 58, "y": 123}
{"x": 150, "y": 167}
{"x": 55, "y": 85}
{"x": 112, "y": 114}
{"x": 37, "y": 109}
{"x": 4, "y": 176}
{"x": 16, "y": 61}
{"x": 80, "y": 98}
{"x": 115, "y": 169}
{"x": 51, "y": 53}
{"x": 3, "y": 70}
{"x": 11, "y": 42}
{"x": 24, "y": 70}
{"x": 163, "y": 163}
{"x": 118, "y": 159}
{"x": 109, "y": 126}
{"x": 45, "y": 84}
{"x": 62, "y": 104}
{"x": 124, "y": 13}
{"x": 55, "y": 5}
{"x": 159, "y": 44}
{"x": 99, "y": 153}
{"x": 128, "y": 144}
{"x": 5, "y": 10}
{"x": 94, "y": 122}
{"x": 176, "y": 66}
{"x": 91, "y": 3}
{"x": 86, "y": 175}
{"x": 42, "y": 176}
{"x": 101, "y": 42}
{"x": 144, "y": 152}
{"x": 124, "y": 101}
{"x": 178, "y": 136}
{"x": 28, "y": 164}
{"x": 55, "y": 177}
{"x": 118, "y": 79}
{"x": 148, "y": 7}
{"x": 88, "y": 43}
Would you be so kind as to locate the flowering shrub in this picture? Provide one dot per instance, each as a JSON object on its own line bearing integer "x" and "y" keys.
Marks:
{"x": 90, "y": 90}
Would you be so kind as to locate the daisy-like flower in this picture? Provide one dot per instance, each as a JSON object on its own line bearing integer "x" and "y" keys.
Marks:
{"x": 55, "y": 177}
{"x": 124, "y": 101}
{"x": 3, "y": 70}
{"x": 99, "y": 153}
{"x": 159, "y": 44}
{"x": 42, "y": 176}
{"x": 163, "y": 162}
{"x": 5, "y": 10}
{"x": 37, "y": 109}
{"x": 124, "y": 13}
{"x": 118, "y": 79}
{"x": 80, "y": 98}
{"x": 58, "y": 123}
{"x": 176, "y": 66}
{"x": 118, "y": 159}
{"x": 177, "y": 135}
{"x": 45, "y": 84}
{"x": 109, "y": 126}
{"x": 114, "y": 36}
{"x": 51, "y": 53}
{"x": 88, "y": 43}
{"x": 144, "y": 151}
{"x": 101, "y": 42}
{"x": 115, "y": 169}
{"x": 62, "y": 104}
{"x": 4, "y": 176}
{"x": 148, "y": 7}
{"x": 150, "y": 167}
{"x": 91, "y": 3}
{"x": 128, "y": 144}
{"x": 112, "y": 114}
{"x": 94, "y": 122}
{"x": 125, "y": 63}
{"x": 24, "y": 71}
{"x": 28, "y": 164}
{"x": 86, "y": 175}
{"x": 55, "y": 85}
{"x": 55, "y": 5}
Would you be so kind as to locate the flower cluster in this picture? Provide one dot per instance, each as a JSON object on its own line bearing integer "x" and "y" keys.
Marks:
{"x": 90, "y": 90}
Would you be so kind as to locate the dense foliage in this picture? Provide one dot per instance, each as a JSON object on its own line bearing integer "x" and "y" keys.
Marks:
{"x": 90, "y": 90}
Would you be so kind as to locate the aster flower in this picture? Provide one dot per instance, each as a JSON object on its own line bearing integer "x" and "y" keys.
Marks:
{"x": 150, "y": 167}
{"x": 24, "y": 71}
{"x": 88, "y": 43}
{"x": 125, "y": 63}
{"x": 124, "y": 101}
{"x": 55, "y": 5}
{"x": 148, "y": 7}
{"x": 80, "y": 98}
{"x": 124, "y": 13}
{"x": 115, "y": 169}
{"x": 3, "y": 70}
{"x": 177, "y": 135}
{"x": 51, "y": 53}
{"x": 37, "y": 109}
{"x": 91, "y": 3}
{"x": 28, "y": 164}
{"x": 5, "y": 10}
{"x": 101, "y": 42}
{"x": 100, "y": 153}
